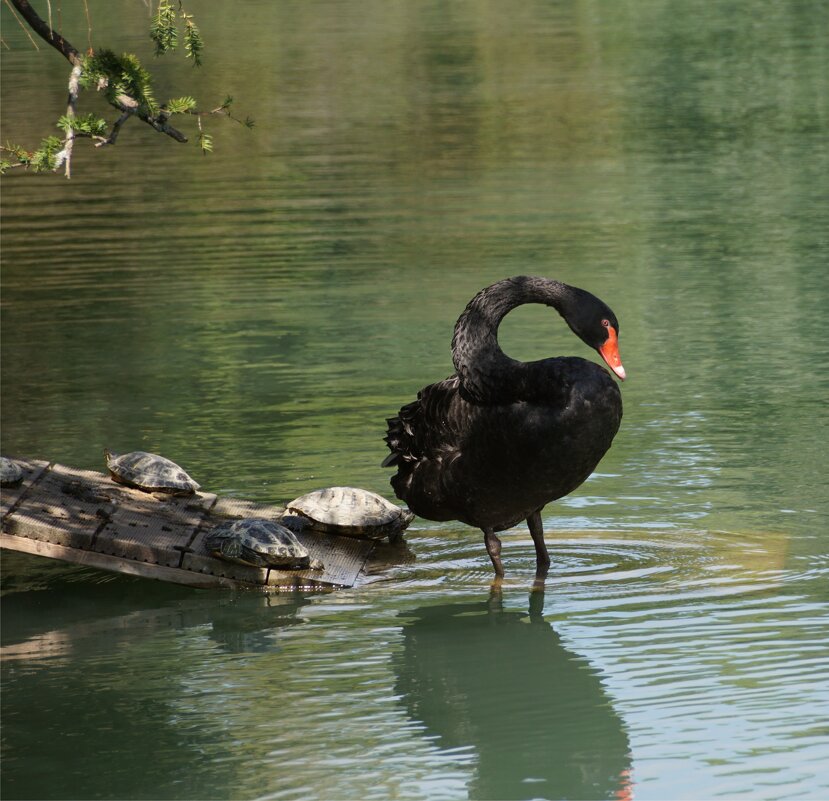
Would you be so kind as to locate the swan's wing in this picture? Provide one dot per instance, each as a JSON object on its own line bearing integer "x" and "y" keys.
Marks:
{"x": 427, "y": 426}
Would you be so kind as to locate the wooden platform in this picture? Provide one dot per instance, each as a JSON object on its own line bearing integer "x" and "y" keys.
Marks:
{"x": 84, "y": 517}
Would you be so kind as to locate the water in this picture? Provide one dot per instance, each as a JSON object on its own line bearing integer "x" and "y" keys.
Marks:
{"x": 256, "y": 315}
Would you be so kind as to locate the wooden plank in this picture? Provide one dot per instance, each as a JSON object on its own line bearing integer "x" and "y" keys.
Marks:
{"x": 343, "y": 557}
{"x": 153, "y": 527}
{"x": 84, "y": 517}
{"x": 237, "y": 508}
{"x": 33, "y": 470}
{"x": 117, "y": 564}
{"x": 65, "y": 508}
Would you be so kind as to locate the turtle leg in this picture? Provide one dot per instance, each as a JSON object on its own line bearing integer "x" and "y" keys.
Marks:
{"x": 542, "y": 558}
{"x": 493, "y": 548}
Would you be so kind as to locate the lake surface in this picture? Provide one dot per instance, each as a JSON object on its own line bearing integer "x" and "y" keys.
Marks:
{"x": 258, "y": 313}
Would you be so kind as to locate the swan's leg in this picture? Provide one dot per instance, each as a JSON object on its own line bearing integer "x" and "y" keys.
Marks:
{"x": 493, "y": 548}
{"x": 542, "y": 558}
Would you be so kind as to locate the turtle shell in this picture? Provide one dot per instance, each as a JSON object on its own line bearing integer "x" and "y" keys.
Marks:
{"x": 257, "y": 542}
{"x": 348, "y": 511}
{"x": 149, "y": 472}
{"x": 11, "y": 473}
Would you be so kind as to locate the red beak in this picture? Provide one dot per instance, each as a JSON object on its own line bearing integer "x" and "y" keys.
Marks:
{"x": 610, "y": 353}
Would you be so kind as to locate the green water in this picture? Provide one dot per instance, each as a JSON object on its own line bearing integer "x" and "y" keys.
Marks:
{"x": 257, "y": 314}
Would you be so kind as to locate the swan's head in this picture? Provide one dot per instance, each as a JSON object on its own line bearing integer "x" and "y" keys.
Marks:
{"x": 596, "y": 325}
{"x": 609, "y": 351}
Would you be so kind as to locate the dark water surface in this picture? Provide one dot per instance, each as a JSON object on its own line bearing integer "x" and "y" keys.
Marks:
{"x": 255, "y": 315}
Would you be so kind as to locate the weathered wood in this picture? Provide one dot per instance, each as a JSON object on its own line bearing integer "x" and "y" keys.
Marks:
{"x": 160, "y": 536}
{"x": 84, "y": 517}
{"x": 33, "y": 471}
{"x": 114, "y": 563}
{"x": 65, "y": 507}
{"x": 237, "y": 508}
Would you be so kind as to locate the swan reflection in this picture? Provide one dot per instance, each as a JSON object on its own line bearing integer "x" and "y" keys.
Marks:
{"x": 501, "y": 681}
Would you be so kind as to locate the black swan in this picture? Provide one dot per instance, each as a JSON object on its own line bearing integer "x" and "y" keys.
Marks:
{"x": 494, "y": 443}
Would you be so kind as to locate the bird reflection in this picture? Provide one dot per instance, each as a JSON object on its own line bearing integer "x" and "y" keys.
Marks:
{"x": 501, "y": 681}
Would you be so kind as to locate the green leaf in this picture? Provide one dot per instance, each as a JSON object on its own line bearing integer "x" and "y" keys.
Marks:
{"x": 120, "y": 75}
{"x": 181, "y": 105}
{"x": 193, "y": 43}
{"x": 43, "y": 158}
{"x": 163, "y": 29}
{"x": 20, "y": 153}
{"x": 205, "y": 142}
{"x": 87, "y": 124}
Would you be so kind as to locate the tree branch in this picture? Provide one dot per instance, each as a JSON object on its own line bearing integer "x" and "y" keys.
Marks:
{"x": 113, "y": 134}
{"x": 71, "y": 113}
{"x": 42, "y": 29}
{"x": 124, "y": 103}
{"x": 129, "y": 105}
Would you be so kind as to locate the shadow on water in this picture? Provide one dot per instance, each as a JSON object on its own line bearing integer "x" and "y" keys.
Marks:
{"x": 503, "y": 683}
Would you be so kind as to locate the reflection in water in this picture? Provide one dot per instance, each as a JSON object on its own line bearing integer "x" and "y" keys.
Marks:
{"x": 98, "y": 670}
{"x": 39, "y": 624}
{"x": 388, "y": 555}
{"x": 502, "y": 682}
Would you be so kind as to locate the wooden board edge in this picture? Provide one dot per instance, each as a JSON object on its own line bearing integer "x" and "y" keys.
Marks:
{"x": 118, "y": 564}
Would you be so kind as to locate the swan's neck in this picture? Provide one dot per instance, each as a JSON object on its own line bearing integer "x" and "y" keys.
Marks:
{"x": 487, "y": 374}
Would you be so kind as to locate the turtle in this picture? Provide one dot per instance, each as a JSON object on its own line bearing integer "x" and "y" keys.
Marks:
{"x": 11, "y": 473}
{"x": 149, "y": 472}
{"x": 259, "y": 542}
{"x": 347, "y": 511}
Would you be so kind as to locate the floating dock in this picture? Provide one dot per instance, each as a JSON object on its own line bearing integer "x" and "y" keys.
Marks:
{"x": 85, "y": 517}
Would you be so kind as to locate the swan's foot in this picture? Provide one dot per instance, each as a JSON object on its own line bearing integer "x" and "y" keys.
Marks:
{"x": 542, "y": 558}
{"x": 493, "y": 548}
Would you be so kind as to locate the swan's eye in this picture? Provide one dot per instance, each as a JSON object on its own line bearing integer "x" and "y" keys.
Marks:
{"x": 606, "y": 323}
